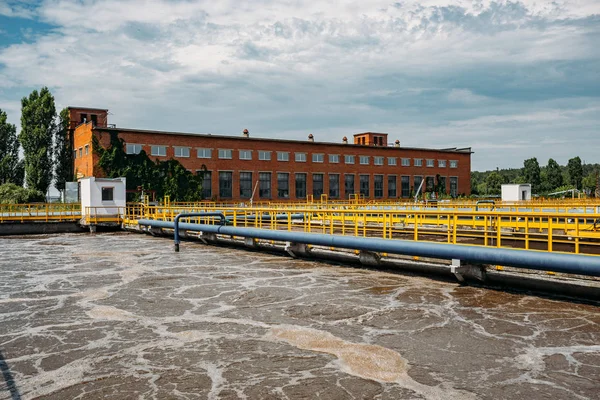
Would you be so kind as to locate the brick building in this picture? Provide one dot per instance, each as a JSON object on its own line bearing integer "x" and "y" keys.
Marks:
{"x": 237, "y": 168}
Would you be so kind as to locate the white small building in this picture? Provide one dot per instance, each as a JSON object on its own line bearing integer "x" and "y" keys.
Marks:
{"x": 102, "y": 199}
{"x": 516, "y": 192}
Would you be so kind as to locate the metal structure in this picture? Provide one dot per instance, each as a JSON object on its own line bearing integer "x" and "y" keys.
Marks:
{"x": 568, "y": 232}
{"x": 566, "y": 263}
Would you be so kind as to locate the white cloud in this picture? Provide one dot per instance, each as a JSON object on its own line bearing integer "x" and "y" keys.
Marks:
{"x": 444, "y": 71}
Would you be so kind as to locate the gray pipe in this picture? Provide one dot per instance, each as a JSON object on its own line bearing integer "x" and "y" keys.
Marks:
{"x": 556, "y": 262}
{"x": 193, "y": 214}
{"x": 484, "y": 202}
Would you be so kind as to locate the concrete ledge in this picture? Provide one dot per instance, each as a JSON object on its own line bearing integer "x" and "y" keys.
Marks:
{"x": 39, "y": 228}
{"x": 477, "y": 275}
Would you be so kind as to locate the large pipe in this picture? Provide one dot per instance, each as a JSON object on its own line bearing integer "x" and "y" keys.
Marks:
{"x": 556, "y": 262}
{"x": 193, "y": 214}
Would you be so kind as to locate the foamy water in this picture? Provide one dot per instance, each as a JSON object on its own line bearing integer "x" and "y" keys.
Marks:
{"x": 122, "y": 316}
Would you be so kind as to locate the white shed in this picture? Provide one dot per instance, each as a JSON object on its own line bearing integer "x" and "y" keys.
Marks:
{"x": 516, "y": 192}
{"x": 102, "y": 197}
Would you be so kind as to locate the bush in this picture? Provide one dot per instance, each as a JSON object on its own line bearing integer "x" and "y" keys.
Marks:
{"x": 13, "y": 194}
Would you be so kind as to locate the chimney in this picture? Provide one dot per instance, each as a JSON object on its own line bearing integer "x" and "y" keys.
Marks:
{"x": 397, "y": 143}
{"x": 246, "y": 134}
{"x": 345, "y": 140}
{"x": 311, "y": 138}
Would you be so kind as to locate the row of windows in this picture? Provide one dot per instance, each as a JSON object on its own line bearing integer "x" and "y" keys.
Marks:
{"x": 81, "y": 150}
{"x": 246, "y": 186}
{"x": 264, "y": 155}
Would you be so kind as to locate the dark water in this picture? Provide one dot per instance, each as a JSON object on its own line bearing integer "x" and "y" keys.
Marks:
{"x": 120, "y": 316}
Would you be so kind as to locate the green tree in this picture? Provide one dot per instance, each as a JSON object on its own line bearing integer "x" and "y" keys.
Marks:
{"x": 11, "y": 168}
{"x": 63, "y": 151}
{"x": 531, "y": 173}
{"x": 38, "y": 125}
{"x": 13, "y": 194}
{"x": 575, "y": 171}
{"x": 554, "y": 175}
{"x": 494, "y": 183}
{"x": 589, "y": 182}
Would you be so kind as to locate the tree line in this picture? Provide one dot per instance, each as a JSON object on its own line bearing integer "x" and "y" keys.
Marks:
{"x": 47, "y": 154}
{"x": 544, "y": 180}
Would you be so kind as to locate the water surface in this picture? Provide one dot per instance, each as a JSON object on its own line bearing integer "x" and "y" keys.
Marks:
{"x": 121, "y": 316}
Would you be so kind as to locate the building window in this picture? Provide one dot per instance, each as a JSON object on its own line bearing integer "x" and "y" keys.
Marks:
{"x": 225, "y": 184}
{"x": 244, "y": 154}
{"x": 364, "y": 185}
{"x": 349, "y": 159}
{"x": 225, "y": 153}
{"x": 429, "y": 183}
{"x": 283, "y": 185}
{"x": 392, "y": 186}
{"x": 160, "y": 151}
{"x": 348, "y": 185}
{"x": 206, "y": 184}
{"x": 87, "y": 149}
{"x": 334, "y": 158}
{"x": 418, "y": 162}
{"x": 317, "y": 185}
{"x": 418, "y": 180}
{"x": 108, "y": 194}
{"x": 378, "y": 160}
{"x": 378, "y": 184}
{"x": 74, "y": 154}
{"x": 264, "y": 155}
{"x": 453, "y": 164}
{"x": 364, "y": 160}
{"x": 264, "y": 185}
{"x": 204, "y": 153}
{"x": 442, "y": 163}
{"x": 182, "y": 151}
{"x": 392, "y": 161}
{"x": 318, "y": 157}
{"x": 300, "y": 157}
{"x": 283, "y": 156}
{"x": 300, "y": 186}
{"x": 405, "y": 182}
{"x": 94, "y": 118}
{"x": 430, "y": 163}
{"x": 131, "y": 148}
{"x": 245, "y": 185}
{"x": 80, "y": 152}
{"x": 453, "y": 186}
{"x": 334, "y": 186}
{"x": 406, "y": 162}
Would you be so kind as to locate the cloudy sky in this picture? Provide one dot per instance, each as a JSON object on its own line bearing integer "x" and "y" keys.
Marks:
{"x": 511, "y": 79}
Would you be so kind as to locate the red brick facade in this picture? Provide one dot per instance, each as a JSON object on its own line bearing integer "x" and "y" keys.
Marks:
{"x": 249, "y": 161}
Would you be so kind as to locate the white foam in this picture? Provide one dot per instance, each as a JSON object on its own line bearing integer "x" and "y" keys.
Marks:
{"x": 366, "y": 361}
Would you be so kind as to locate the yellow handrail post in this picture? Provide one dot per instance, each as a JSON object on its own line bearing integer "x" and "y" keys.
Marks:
{"x": 454, "y": 228}
{"x": 498, "y": 230}
{"x": 549, "y": 233}
{"x": 576, "y": 235}
{"x": 416, "y": 228}
{"x": 485, "y": 230}
{"x": 526, "y": 233}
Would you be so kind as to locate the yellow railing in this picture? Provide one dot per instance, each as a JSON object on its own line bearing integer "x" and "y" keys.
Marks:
{"x": 42, "y": 212}
{"x": 545, "y": 231}
{"x": 103, "y": 215}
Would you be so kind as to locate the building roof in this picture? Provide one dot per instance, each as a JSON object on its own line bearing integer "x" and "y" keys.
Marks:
{"x": 226, "y": 137}
{"x": 86, "y": 108}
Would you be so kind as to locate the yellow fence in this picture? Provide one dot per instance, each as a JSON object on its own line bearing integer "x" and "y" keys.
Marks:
{"x": 42, "y": 212}
{"x": 570, "y": 232}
